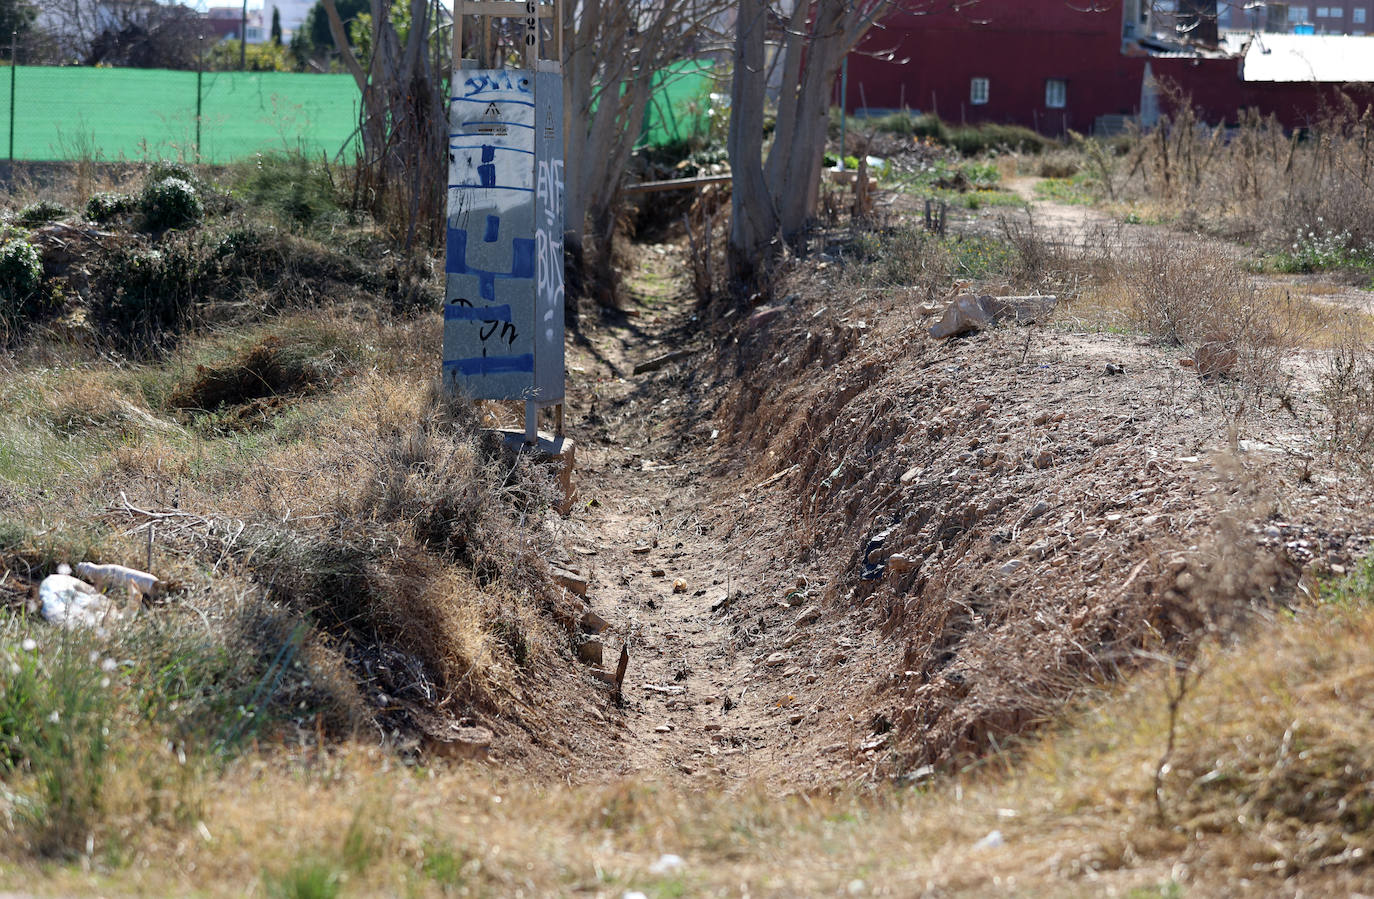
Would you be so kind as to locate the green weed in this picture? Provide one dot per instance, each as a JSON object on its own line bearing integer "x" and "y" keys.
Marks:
{"x": 1075, "y": 191}
{"x": 59, "y": 730}
{"x": 445, "y": 866}
{"x": 21, "y": 280}
{"x": 109, "y": 207}
{"x": 307, "y": 879}
{"x": 170, "y": 203}
{"x": 1314, "y": 251}
{"x": 41, "y": 213}
{"x": 298, "y": 190}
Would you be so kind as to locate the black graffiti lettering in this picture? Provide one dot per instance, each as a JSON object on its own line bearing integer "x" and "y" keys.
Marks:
{"x": 459, "y": 301}
{"x": 508, "y": 331}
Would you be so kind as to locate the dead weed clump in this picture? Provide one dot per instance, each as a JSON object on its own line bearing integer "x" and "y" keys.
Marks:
{"x": 1274, "y": 752}
{"x": 416, "y": 551}
{"x": 1187, "y": 295}
{"x": 270, "y": 370}
{"x": 1347, "y": 392}
{"x": 1290, "y": 191}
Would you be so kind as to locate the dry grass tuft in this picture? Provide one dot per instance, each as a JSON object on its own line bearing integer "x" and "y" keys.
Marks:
{"x": 1268, "y": 780}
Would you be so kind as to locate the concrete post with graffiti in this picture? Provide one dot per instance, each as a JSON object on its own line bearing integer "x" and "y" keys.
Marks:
{"x": 503, "y": 306}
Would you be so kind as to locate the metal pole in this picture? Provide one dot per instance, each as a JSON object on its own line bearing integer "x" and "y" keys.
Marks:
{"x": 844, "y": 98}
{"x": 243, "y": 38}
{"x": 200, "y": 72}
{"x": 14, "y": 68}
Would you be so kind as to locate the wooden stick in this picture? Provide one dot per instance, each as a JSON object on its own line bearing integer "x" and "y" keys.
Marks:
{"x": 458, "y": 17}
{"x": 658, "y": 362}
{"x": 675, "y": 184}
{"x": 558, "y": 30}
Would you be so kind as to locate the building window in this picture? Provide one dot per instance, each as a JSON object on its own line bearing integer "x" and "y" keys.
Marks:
{"x": 978, "y": 91}
{"x": 1056, "y": 93}
{"x": 1297, "y": 13}
{"x": 1324, "y": 12}
{"x": 1357, "y": 15}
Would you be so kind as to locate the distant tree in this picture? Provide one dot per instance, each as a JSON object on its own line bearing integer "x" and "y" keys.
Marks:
{"x": 316, "y": 25}
{"x": 276, "y": 25}
{"x": 16, "y": 17}
{"x": 775, "y": 197}
{"x": 300, "y": 49}
{"x": 148, "y": 36}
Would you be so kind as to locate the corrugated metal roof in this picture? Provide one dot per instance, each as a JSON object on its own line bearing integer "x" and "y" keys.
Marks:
{"x": 1306, "y": 57}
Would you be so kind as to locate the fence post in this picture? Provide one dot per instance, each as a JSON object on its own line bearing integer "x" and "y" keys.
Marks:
{"x": 14, "y": 69}
{"x": 200, "y": 70}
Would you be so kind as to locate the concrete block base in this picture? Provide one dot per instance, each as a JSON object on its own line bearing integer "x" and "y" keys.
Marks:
{"x": 559, "y": 451}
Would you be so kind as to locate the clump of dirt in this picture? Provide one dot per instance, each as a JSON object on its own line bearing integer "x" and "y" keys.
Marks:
{"x": 258, "y": 380}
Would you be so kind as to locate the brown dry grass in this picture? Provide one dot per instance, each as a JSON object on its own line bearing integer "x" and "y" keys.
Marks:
{"x": 309, "y": 460}
{"x": 1268, "y": 782}
{"x": 1259, "y": 184}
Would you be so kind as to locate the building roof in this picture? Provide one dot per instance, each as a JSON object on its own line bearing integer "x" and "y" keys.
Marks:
{"x": 1332, "y": 59}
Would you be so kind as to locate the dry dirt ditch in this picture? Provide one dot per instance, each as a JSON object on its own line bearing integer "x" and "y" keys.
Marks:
{"x": 836, "y": 548}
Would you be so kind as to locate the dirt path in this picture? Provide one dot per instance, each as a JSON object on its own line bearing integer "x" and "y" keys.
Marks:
{"x": 663, "y": 544}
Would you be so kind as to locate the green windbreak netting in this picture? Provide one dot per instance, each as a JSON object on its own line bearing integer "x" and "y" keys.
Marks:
{"x": 679, "y": 109}
{"x": 109, "y": 114}
{"x": 112, "y": 114}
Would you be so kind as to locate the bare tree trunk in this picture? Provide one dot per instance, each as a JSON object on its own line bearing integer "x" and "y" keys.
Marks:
{"x": 754, "y": 217}
{"x": 772, "y": 203}
{"x": 614, "y": 51}
{"x": 403, "y": 124}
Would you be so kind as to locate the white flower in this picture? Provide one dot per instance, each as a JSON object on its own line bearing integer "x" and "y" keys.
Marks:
{"x": 29, "y": 644}
{"x": 55, "y": 717}
{"x": 108, "y": 665}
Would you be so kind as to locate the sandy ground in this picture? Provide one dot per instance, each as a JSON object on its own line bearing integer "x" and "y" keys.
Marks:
{"x": 751, "y": 653}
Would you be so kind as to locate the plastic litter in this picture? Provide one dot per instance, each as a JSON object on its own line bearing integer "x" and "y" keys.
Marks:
{"x": 991, "y": 841}
{"x": 70, "y": 602}
{"x": 666, "y": 864}
{"x": 107, "y": 576}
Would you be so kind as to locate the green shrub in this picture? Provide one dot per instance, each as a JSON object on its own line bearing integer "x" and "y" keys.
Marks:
{"x": 169, "y": 203}
{"x": 162, "y": 169}
{"x": 1314, "y": 251}
{"x": 148, "y": 294}
{"x": 21, "y": 280}
{"x": 298, "y": 189}
{"x": 107, "y": 207}
{"x": 41, "y": 213}
{"x": 926, "y": 126}
{"x": 987, "y": 137}
{"x": 313, "y": 878}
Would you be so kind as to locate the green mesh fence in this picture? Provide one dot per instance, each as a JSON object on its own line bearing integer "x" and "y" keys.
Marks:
{"x": 112, "y": 114}
{"x": 65, "y": 113}
{"x": 679, "y": 109}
